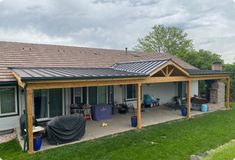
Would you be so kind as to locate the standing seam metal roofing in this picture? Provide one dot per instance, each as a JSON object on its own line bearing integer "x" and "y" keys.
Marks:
{"x": 144, "y": 67}
{"x": 71, "y": 73}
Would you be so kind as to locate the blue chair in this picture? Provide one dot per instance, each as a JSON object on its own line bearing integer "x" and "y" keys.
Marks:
{"x": 147, "y": 100}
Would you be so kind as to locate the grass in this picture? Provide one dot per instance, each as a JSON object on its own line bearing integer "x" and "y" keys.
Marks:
{"x": 225, "y": 152}
{"x": 173, "y": 140}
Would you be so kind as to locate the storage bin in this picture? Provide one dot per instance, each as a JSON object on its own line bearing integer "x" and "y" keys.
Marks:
{"x": 133, "y": 121}
{"x": 101, "y": 112}
{"x": 37, "y": 142}
{"x": 184, "y": 111}
{"x": 204, "y": 107}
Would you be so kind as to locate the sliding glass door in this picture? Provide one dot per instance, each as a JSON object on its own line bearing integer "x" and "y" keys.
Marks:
{"x": 55, "y": 102}
{"x": 92, "y": 91}
{"x": 40, "y": 104}
{"x": 101, "y": 95}
{"x": 48, "y": 103}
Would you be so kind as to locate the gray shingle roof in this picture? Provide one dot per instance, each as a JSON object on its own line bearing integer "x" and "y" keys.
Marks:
{"x": 24, "y": 55}
{"x": 71, "y": 73}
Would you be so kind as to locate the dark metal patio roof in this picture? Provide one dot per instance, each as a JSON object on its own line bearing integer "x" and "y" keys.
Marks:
{"x": 71, "y": 73}
{"x": 205, "y": 72}
{"x": 143, "y": 67}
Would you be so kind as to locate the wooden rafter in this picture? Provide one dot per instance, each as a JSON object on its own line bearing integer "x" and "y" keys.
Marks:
{"x": 172, "y": 70}
{"x": 20, "y": 83}
{"x": 163, "y": 72}
{"x": 171, "y": 63}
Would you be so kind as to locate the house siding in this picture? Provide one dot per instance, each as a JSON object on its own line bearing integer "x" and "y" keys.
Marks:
{"x": 164, "y": 91}
{"x": 194, "y": 88}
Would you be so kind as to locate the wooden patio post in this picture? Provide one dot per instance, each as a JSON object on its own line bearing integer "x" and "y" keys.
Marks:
{"x": 29, "y": 93}
{"x": 139, "y": 126}
{"x": 228, "y": 93}
{"x": 188, "y": 99}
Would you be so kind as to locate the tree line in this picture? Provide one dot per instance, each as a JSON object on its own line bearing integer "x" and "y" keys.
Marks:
{"x": 173, "y": 40}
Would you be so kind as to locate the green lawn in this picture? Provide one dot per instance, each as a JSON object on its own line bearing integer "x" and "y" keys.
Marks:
{"x": 225, "y": 152}
{"x": 169, "y": 141}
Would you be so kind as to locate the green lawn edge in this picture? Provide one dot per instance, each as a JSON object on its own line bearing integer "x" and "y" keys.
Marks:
{"x": 172, "y": 140}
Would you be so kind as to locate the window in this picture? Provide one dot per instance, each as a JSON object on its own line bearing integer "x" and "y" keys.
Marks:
{"x": 78, "y": 96}
{"x": 92, "y": 95}
{"x": 131, "y": 91}
{"x": 101, "y": 93}
{"x": 97, "y": 95}
{"x": 8, "y": 101}
{"x": 48, "y": 103}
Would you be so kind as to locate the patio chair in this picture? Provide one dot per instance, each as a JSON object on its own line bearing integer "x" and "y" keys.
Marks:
{"x": 178, "y": 103}
{"x": 147, "y": 100}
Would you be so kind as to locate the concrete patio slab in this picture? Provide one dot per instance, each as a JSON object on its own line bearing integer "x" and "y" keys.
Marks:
{"x": 122, "y": 122}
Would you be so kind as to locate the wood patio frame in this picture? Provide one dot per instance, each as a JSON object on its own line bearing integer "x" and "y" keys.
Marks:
{"x": 29, "y": 86}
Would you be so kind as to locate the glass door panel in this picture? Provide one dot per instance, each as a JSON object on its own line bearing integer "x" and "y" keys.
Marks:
{"x": 101, "y": 95}
{"x": 92, "y": 91}
{"x": 55, "y": 102}
{"x": 40, "y": 104}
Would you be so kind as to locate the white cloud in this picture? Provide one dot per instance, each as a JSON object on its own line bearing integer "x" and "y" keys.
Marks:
{"x": 118, "y": 23}
{"x": 33, "y": 36}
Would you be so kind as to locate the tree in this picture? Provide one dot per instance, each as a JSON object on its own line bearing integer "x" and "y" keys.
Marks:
{"x": 201, "y": 59}
{"x": 165, "y": 39}
{"x": 174, "y": 41}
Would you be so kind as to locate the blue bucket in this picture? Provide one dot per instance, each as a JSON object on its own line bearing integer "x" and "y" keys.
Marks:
{"x": 37, "y": 142}
{"x": 133, "y": 121}
{"x": 184, "y": 111}
{"x": 204, "y": 108}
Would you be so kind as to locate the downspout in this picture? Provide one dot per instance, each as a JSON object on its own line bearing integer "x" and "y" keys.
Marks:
{"x": 26, "y": 119}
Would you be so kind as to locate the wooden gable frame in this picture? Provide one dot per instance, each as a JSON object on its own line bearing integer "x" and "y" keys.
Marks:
{"x": 167, "y": 72}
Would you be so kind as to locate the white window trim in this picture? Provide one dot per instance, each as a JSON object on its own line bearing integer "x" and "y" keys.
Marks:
{"x": 16, "y": 110}
{"x": 75, "y": 96}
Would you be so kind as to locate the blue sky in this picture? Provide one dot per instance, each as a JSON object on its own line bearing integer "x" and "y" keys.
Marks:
{"x": 118, "y": 23}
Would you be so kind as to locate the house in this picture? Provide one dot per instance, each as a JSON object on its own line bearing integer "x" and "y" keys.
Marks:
{"x": 63, "y": 75}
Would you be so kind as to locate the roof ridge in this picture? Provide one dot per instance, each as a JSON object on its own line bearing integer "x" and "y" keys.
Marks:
{"x": 77, "y": 46}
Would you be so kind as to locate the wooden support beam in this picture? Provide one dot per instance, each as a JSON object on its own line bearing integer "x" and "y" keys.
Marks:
{"x": 163, "y": 72}
{"x": 209, "y": 77}
{"x": 165, "y": 79}
{"x": 188, "y": 99}
{"x": 167, "y": 71}
{"x": 29, "y": 93}
{"x": 139, "y": 126}
{"x": 172, "y": 70}
{"x": 228, "y": 93}
{"x": 20, "y": 83}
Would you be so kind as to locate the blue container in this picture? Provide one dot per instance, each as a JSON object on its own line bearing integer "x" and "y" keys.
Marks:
{"x": 133, "y": 121}
{"x": 37, "y": 142}
{"x": 184, "y": 111}
{"x": 204, "y": 108}
{"x": 101, "y": 112}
